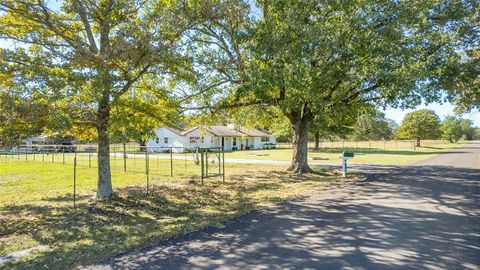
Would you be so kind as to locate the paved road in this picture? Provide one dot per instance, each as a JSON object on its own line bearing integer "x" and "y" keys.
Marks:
{"x": 416, "y": 217}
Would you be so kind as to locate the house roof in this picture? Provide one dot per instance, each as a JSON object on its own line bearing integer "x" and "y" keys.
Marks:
{"x": 174, "y": 130}
{"x": 185, "y": 132}
{"x": 226, "y": 131}
{"x": 255, "y": 132}
{"x": 219, "y": 131}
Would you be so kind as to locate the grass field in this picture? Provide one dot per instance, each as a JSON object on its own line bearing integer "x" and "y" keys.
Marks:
{"x": 362, "y": 155}
{"x": 36, "y": 210}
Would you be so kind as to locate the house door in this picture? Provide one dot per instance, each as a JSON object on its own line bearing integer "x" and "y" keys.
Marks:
{"x": 223, "y": 142}
{"x": 246, "y": 144}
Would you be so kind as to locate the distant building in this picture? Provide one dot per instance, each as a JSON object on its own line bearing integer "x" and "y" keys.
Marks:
{"x": 228, "y": 137}
{"x": 43, "y": 139}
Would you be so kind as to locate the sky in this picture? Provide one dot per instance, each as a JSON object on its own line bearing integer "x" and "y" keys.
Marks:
{"x": 441, "y": 110}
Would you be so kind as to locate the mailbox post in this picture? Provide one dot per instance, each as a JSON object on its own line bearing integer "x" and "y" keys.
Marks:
{"x": 346, "y": 156}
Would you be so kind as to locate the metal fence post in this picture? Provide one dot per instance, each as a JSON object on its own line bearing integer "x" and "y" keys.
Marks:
{"x": 90, "y": 159}
{"x": 124, "y": 158}
{"x": 201, "y": 163}
{"x": 206, "y": 162}
{"x": 63, "y": 155}
{"x": 171, "y": 161}
{"x": 134, "y": 163}
{"x": 147, "y": 168}
{"x": 74, "y": 180}
{"x": 223, "y": 163}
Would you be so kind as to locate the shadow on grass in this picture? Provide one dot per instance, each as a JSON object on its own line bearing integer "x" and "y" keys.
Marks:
{"x": 134, "y": 218}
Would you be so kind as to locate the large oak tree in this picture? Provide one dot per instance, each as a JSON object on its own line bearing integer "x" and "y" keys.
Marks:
{"x": 311, "y": 58}
{"x": 89, "y": 54}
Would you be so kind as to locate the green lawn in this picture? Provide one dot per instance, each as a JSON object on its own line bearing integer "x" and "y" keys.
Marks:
{"x": 363, "y": 155}
{"x": 36, "y": 207}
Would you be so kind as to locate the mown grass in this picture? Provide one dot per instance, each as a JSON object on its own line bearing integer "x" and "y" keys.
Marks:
{"x": 36, "y": 208}
{"x": 375, "y": 156}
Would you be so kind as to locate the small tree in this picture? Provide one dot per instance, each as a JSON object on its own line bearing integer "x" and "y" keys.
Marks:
{"x": 451, "y": 129}
{"x": 468, "y": 129}
{"x": 419, "y": 125}
{"x": 372, "y": 125}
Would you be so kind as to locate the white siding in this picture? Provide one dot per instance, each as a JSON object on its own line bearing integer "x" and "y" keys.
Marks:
{"x": 258, "y": 144}
{"x": 180, "y": 142}
{"x": 174, "y": 140}
{"x": 207, "y": 139}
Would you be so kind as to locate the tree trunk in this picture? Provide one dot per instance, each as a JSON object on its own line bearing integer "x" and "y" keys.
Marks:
{"x": 418, "y": 142}
{"x": 104, "y": 185}
{"x": 300, "y": 143}
{"x": 317, "y": 140}
{"x": 142, "y": 144}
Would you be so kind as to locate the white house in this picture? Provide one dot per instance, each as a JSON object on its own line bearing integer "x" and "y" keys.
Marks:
{"x": 166, "y": 138}
{"x": 35, "y": 140}
{"x": 228, "y": 137}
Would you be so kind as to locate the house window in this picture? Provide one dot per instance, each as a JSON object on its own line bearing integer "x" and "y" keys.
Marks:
{"x": 165, "y": 140}
{"x": 265, "y": 139}
{"x": 196, "y": 139}
{"x": 157, "y": 140}
{"x": 234, "y": 141}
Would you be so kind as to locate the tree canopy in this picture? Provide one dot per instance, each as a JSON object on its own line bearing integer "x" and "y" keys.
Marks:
{"x": 88, "y": 56}
{"x": 451, "y": 129}
{"x": 419, "y": 125}
{"x": 314, "y": 58}
{"x": 372, "y": 125}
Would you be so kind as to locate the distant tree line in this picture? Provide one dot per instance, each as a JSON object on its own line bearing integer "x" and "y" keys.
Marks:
{"x": 372, "y": 125}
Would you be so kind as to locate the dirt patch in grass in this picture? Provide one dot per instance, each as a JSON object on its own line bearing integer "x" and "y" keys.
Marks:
{"x": 136, "y": 218}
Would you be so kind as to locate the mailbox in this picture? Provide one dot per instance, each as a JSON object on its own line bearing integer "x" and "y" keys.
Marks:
{"x": 345, "y": 156}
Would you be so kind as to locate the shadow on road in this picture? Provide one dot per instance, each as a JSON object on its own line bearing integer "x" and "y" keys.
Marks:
{"x": 400, "y": 218}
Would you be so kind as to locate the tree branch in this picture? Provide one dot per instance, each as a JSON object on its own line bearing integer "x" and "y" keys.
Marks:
{"x": 83, "y": 16}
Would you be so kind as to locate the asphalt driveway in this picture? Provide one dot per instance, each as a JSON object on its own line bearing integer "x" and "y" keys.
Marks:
{"x": 425, "y": 216}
